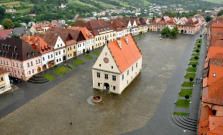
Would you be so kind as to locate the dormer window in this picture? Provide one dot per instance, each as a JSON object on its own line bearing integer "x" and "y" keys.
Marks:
{"x": 214, "y": 75}
{"x": 33, "y": 54}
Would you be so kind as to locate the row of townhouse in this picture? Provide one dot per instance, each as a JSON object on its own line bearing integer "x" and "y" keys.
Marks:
{"x": 184, "y": 25}
{"x": 211, "y": 114}
{"x": 27, "y": 56}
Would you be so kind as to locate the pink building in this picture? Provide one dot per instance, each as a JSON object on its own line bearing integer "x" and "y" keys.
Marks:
{"x": 19, "y": 58}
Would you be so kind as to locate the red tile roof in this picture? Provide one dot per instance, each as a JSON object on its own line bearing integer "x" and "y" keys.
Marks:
{"x": 87, "y": 34}
{"x": 95, "y": 26}
{"x": 215, "y": 125}
{"x": 5, "y": 33}
{"x": 37, "y": 43}
{"x": 203, "y": 123}
{"x": 214, "y": 94}
{"x": 127, "y": 55}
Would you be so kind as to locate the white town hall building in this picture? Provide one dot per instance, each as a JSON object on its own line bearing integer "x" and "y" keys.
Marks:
{"x": 118, "y": 64}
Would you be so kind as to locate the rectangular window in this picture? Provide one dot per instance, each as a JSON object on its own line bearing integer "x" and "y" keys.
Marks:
{"x": 98, "y": 84}
{"x": 1, "y": 79}
{"x": 28, "y": 64}
{"x": 122, "y": 77}
{"x": 127, "y": 72}
{"x": 33, "y": 70}
{"x": 114, "y": 78}
{"x": 43, "y": 58}
{"x": 98, "y": 75}
{"x": 31, "y": 63}
{"x": 113, "y": 87}
{"x": 132, "y": 68}
{"x": 136, "y": 64}
{"x": 106, "y": 76}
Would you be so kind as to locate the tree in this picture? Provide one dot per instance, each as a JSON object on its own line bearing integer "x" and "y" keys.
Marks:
{"x": 15, "y": 36}
{"x": 208, "y": 18}
{"x": 2, "y": 13}
{"x": 220, "y": 13}
{"x": 7, "y": 24}
{"x": 165, "y": 32}
{"x": 187, "y": 97}
{"x": 173, "y": 33}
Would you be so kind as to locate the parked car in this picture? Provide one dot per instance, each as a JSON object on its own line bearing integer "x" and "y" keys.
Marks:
{"x": 15, "y": 80}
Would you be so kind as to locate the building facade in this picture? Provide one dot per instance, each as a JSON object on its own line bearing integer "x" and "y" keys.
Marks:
{"x": 19, "y": 58}
{"x": 4, "y": 81}
{"x": 118, "y": 64}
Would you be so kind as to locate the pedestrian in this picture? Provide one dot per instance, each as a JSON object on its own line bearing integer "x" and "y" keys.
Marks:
{"x": 71, "y": 123}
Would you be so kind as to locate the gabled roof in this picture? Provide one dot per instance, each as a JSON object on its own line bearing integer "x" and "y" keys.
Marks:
{"x": 126, "y": 54}
{"x": 69, "y": 36}
{"x": 203, "y": 123}
{"x": 86, "y": 33}
{"x": 118, "y": 24}
{"x": 218, "y": 43}
{"x": 95, "y": 26}
{"x": 17, "y": 49}
{"x": 19, "y": 31}
{"x": 37, "y": 43}
{"x": 143, "y": 21}
{"x": 214, "y": 94}
{"x": 5, "y": 33}
{"x": 215, "y": 125}
{"x": 3, "y": 71}
{"x": 217, "y": 59}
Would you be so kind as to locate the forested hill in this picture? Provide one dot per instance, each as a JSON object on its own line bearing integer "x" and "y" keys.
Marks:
{"x": 49, "y": 9}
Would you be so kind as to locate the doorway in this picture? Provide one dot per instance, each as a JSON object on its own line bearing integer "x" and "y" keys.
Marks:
{"x": 106, "y": 86}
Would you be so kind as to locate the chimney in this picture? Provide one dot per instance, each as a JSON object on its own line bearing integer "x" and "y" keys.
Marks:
{"x": 127, "y": 40}
{"x": 119, "y": 43}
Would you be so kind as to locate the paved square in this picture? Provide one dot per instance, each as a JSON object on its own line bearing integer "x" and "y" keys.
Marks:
{"x": 51, "y": 112}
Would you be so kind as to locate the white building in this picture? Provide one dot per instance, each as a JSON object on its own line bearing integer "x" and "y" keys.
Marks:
{"x": 10, "y": 10}
{"x": 118, "y": 64}
{"x": 4, "y": 81}
{"x": 59, "y": 48}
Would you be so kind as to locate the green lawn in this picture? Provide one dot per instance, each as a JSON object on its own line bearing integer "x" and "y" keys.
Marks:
{"x": 192, "y": 69}
{"x": 48, "y": 76}
{"x": 96, "y": 53}
{"x": 88, "y": 57}
{"x": 195, "y": 54}
{"x": 183, "y": 103}
{"x": 78, "y": 61}
{"x": 60, "y": 70}
{"x": 185, "y": 92}
{"x": 180, "y": 113}
{"x": 193, "y": 59}
{"x": 72, "y": 66}
{"x": 196, "y": 48}
{"x": 188, "y": 84}
{"x": 190, "y": 75}
{"x": 195, "y": 51}
{"x": 191, "y": 63}
{"x": 23, "y": 11}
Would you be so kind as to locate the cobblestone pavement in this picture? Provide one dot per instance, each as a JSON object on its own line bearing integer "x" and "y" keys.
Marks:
{"x": 48, "y": 108}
